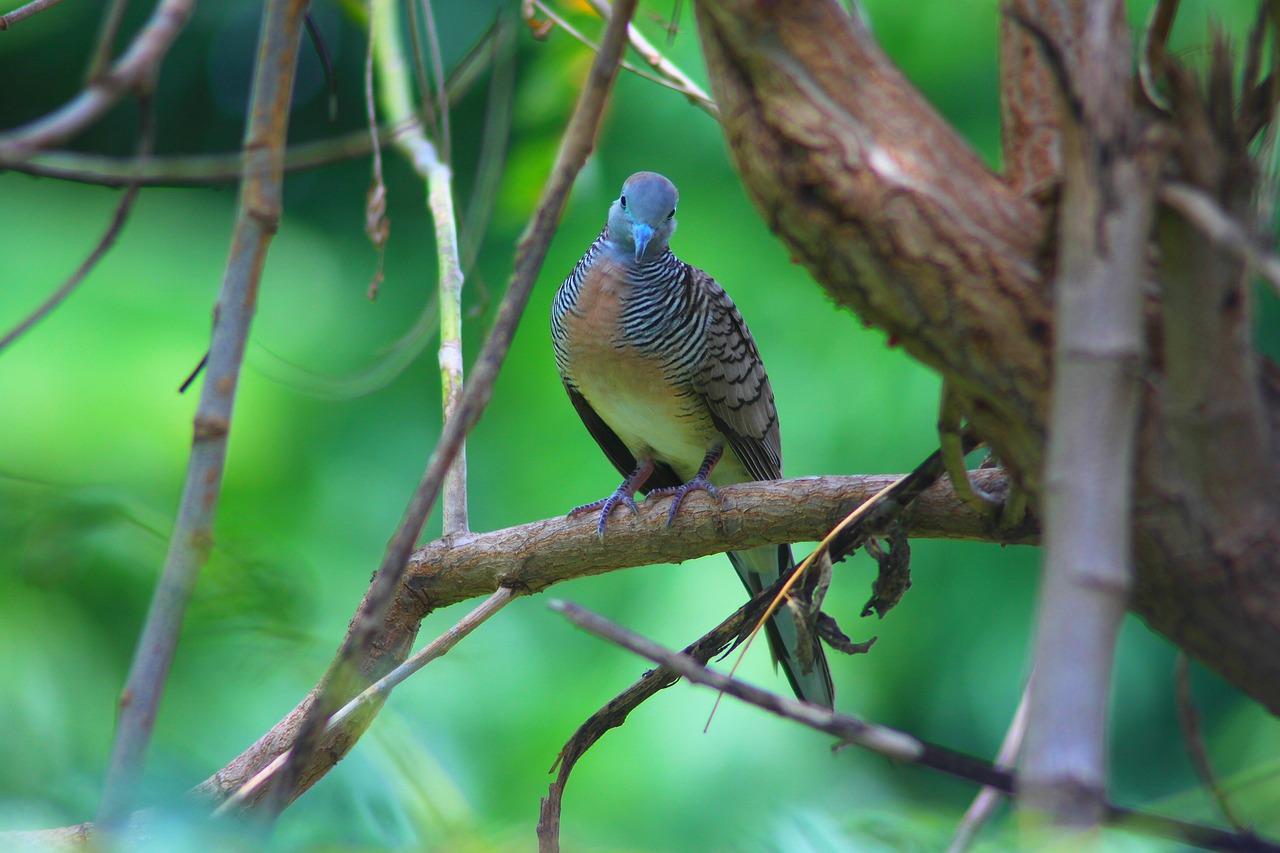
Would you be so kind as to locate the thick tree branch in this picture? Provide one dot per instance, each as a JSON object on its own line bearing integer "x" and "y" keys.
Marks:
{"x": 537, "y": 555}
{"x": 897, "y": 219}
{"x": 892, "y": 212}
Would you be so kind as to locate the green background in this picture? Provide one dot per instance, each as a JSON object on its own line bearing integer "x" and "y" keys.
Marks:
{"x": 94, "y": 438}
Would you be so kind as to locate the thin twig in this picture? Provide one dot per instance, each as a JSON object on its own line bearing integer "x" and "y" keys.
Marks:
{"x": 186, "y": 169}
{"x": 198, "y": 169}
{"x": 410, "y": 138}
{"x": 342, "y": 681}
{"x": 665, "y": 68}
{"x": 695, "y": 95}
{"x": 381, "y": 689}
{"x": 134, "y": 68}
{"x": 1193, "y": 735}
{"x": 443, "y": 133}
{"x": 8, "y": 19}
{"x": 494, "y": 139}
{"x": 256, "y": 221}
{"x": 984, "y": 805}
{"x": 882, "y": 740}
{"x": 866, "y": 520}
{"x": 1200, "y": 209}
{"x": 104, "y": 48}
{"x": 146, "y": 139}
{"x": 376, "y": 225}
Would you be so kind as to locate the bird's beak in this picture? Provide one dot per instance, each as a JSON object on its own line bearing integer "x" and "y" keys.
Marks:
{"x": 642, "y": 234}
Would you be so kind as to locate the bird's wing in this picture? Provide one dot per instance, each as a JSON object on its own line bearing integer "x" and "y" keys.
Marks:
{"x": 733, "y": 383}
{"x": 614, "y": 448}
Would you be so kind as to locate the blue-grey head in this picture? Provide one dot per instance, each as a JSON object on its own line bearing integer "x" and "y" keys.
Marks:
{"x": 643, "y": 218}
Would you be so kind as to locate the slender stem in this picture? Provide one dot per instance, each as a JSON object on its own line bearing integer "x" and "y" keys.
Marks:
{"x": 256, "y": 221}
{"x": 410, "y": 137}
{"x": 8, "y": 19}
{"x": 668, "y": 70}
{"x": 112, "y": 17}
{"x": 882, "y": 740}
{"x": 138, "y": 65}
{"x": 984, "y": 805}
{"x": 146, "y": 140}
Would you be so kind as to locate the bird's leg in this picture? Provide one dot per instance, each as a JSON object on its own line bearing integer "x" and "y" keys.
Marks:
{"x": 698, "y": 483}
{"x": 623, "y": 496}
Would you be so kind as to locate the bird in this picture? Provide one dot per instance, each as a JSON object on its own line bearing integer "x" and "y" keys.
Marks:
{"x": 665, "y": 375}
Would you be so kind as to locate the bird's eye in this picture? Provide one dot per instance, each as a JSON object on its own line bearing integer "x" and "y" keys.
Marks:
{"x": 672, "y": 214}
{"x": 623, "y": 201}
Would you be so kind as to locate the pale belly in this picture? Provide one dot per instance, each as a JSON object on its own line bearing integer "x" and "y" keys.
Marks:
{"x": 631, "y": 395}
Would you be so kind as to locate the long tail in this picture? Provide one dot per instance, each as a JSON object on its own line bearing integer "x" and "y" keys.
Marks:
{"x": 758, "y": 568}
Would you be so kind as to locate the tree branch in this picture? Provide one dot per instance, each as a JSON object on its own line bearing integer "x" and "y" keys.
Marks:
{"x": 257, "y": 218}
{"x": 535, "y": 556}
{"x": 138, "y": 65}
{"x": 890, "y": 743}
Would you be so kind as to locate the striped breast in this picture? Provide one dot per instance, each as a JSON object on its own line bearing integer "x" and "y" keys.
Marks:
{"x": 628, "y": 341}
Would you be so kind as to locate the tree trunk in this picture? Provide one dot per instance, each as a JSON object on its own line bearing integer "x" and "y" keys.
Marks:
{"x": 898, "y": 220}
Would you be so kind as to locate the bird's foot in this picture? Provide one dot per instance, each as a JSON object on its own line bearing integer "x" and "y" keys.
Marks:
{"x": 699, "y": 483}
{"x": 607, "y": 505}
{"x": 623, "y": 496}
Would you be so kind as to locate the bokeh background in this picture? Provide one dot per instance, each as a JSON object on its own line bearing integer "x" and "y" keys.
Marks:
{"x": 94, "y": 437}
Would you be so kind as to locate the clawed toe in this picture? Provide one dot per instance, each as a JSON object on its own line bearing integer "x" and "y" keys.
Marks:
{"x": 698, "y": 484}
{"x": 606, "y": 506}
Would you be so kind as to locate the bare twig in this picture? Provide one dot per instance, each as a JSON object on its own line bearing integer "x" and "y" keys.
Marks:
{"x": 381, "y": 689}
{"x": 8, "y": 19}
{"x": 882, "y": 740}
{"x": 668, "y": 70}
{"x": 198, "y": 169}
{"x": 133, "y": 69}
{"x": 376, "y": 225}
{"x": 256, "y": 222}
{"x": 493, "y": 140}
{"x": 1153, "y": 50}
{"x": 695, "y": 95}
{"x": 342, "y": 681}
{"x": 1200, "y": 209}
{"x": 443, "y": 132}
{"x": 410, "y": 138}
{"x": 104, "y": 48}
{"x": 1189, "y": 719}
{"x": 146, "y": 138}
{"x": 984, "y": 805}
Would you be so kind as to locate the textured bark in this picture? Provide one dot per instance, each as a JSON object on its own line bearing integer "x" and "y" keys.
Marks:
{"x": 898, "y": 220}
{"x": 537, "y": 555}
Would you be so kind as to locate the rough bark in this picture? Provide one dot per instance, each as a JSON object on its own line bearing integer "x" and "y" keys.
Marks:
{"x": 538, "y": 555}
{"x": 899, "y": 221}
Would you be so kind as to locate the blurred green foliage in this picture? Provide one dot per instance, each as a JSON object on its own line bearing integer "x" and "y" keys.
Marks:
{"x": 93, "y": 443}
